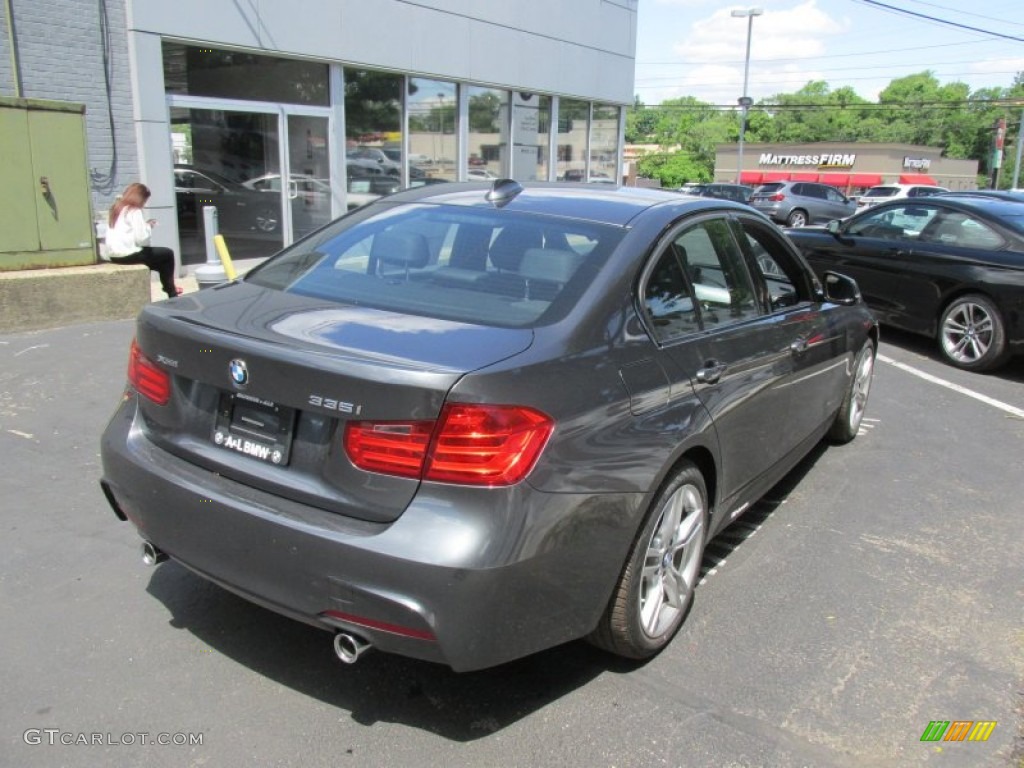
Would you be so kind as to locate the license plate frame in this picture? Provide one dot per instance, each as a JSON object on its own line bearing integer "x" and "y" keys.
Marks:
{"x": 253, "y": 427}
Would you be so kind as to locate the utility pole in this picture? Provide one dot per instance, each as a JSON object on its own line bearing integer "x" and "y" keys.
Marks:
{"x": 744, "y": 100}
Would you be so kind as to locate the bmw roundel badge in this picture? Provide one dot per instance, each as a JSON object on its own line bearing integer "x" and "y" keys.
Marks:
{"x": 239, "y": 373}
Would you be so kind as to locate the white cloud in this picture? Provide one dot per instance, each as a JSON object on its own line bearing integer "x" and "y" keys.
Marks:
{"x": 793, "y": 33}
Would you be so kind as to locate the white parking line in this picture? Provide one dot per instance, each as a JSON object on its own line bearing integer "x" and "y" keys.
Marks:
{"x": 1012, "y": 410}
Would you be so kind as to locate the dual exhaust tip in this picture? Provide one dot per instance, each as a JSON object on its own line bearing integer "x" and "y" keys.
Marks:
{"x": 347, "y": 647}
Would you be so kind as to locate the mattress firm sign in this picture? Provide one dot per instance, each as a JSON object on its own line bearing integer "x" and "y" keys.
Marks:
{"x": 835, "y": 160}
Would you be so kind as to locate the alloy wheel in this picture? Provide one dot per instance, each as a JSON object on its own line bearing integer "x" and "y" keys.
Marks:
{"x": 967, "y": 333}
{"x": 672, "y": 562}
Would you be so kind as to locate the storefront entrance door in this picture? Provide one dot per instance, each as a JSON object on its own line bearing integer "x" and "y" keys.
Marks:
{"x": 266, "y": 194}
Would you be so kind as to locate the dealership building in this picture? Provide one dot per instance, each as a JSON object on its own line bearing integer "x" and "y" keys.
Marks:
{"x": 284, "y": 114}
{"x": 850, "y": 166}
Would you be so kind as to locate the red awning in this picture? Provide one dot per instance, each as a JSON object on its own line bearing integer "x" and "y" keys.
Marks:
{"x": 917, "y": 178}
{"x": 865, "y": 179}
{"x": 750, "y": 177}
{"x": 804, "y": 177}
{"x": 774, "y": 176}
{"x": 835, "y": 179}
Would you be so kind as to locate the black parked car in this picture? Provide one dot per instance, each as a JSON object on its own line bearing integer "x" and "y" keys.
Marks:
{"x": 738, "y": 192}
{"x": 240, "y": 210}
{"x": 947, "y": 266}
{"x": 468, "y": 422}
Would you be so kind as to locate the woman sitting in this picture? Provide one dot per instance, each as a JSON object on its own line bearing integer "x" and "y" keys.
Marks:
{"x": 128, "y": 237}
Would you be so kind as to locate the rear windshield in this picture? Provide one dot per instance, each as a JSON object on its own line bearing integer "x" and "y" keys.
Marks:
{"x": 881, "y": 192}
{"x": 478, "y": 265}
{"x": 767, "y": 189}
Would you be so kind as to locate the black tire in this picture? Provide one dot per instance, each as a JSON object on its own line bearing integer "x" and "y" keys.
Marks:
{"x": 851, "y": 412}
{"x": 797, "y": 218}
{"x": 643, "y": 615}
{"x": 972, "y": 335}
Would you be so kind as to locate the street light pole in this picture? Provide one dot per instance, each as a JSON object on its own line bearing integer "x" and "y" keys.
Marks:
{"x": 744, "y": 100}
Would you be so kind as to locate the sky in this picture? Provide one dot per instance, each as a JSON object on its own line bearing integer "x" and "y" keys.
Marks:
{"x": 697, "y": 48}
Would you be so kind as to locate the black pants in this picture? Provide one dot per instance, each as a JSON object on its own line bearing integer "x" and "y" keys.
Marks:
{"x": 157, "y": 258}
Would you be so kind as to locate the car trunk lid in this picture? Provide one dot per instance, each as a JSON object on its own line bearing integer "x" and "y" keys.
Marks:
{"x": 264, "y": 381}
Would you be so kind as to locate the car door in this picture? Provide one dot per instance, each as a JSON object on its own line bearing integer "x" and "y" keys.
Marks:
{"x": 838, "y": 206}
{"x": 706, "y": 317}
{"x": 814, "y": 373}
{"x": 876, "y": 250}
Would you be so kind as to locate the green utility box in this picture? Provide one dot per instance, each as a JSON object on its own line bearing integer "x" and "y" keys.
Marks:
{"x": 45, "y": 215}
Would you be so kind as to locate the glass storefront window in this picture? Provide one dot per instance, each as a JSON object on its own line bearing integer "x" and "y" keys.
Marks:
{"x": 573, "y": 116}
{"x": 373, "y": 134}
{"x": 488, "y": 133}
{"x": 604, "y": 143}
{"x": 433, "y": 114}
{"x": 531, "y": 129}
{"x": 194, "y": 71}
{"x": 220, "y": 159}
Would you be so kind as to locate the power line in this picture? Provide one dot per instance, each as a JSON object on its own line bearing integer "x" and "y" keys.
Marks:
{"x": 859, "y": 54}
{"x": 966, "y": 13}
{"x": 861, "y": 68}
{"x": 868, "y": 106}
{"x": 937, "y": 20}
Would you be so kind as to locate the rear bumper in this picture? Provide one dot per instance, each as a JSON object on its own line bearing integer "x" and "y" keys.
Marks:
{"x": 466, "y": 577}
{"x": 773, "y": 212}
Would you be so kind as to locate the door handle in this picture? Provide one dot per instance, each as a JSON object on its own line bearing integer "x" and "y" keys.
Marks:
{"x": 711, "y": 372}
{"x": 798, "y": 347}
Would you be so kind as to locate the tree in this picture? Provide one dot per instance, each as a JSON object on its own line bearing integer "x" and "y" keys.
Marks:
{"x": 915, "y": 109}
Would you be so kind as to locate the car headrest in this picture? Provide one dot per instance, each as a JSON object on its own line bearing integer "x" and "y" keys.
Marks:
{"x": 511, "y": 243}
{"x": 549, "y": 264}
{"x": 405, "y": 249}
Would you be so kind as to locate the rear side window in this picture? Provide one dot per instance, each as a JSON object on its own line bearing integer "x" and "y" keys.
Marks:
{"x": 478, "y": 266}
{"x": 961, "y": 230}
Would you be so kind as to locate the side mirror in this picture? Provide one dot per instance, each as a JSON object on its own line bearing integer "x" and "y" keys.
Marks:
{"x": 833, "y": 227}
{"x": 840, "y": 289}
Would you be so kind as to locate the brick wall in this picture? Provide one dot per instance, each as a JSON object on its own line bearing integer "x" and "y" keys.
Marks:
{"x": 61, "y": 56}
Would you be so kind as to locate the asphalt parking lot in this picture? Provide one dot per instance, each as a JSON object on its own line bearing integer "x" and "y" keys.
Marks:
{"x": 879, "y": 588}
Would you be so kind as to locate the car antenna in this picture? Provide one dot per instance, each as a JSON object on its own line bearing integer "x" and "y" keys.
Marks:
{"x": 502, "y": 191}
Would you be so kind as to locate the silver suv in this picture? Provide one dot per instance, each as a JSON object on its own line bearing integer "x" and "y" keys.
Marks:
{"x": 798, "y": 203}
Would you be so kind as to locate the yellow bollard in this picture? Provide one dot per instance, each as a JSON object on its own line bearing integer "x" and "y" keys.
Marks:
{"x": 225, "y": 257}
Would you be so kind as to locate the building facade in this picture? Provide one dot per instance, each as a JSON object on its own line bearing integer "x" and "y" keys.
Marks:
{"x": 285, "y": 114}
{"x": 851, "y": 167}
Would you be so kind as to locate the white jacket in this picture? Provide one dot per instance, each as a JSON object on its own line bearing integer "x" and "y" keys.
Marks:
{"x": 130, "y": 232}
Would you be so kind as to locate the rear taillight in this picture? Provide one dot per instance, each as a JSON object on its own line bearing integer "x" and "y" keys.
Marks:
{"x": 778, "y": 197}
{"x": 146, "y": 378}
{"x": 390, "y": 447}
{"x": 487, "y": 445}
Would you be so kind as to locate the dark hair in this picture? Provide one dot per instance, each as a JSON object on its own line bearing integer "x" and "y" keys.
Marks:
{"x": 135, "y": 195}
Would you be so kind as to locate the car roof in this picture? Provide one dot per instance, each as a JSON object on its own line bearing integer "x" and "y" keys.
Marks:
{"x": 894, "y": 185}
{"x": 995, "y": 194}
{"x": 605, "y": 203}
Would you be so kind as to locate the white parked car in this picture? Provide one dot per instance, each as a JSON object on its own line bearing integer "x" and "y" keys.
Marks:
{"x": 883, "y": 193}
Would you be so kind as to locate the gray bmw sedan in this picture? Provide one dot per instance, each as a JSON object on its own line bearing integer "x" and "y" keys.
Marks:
{"x": 468, "y": 422}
